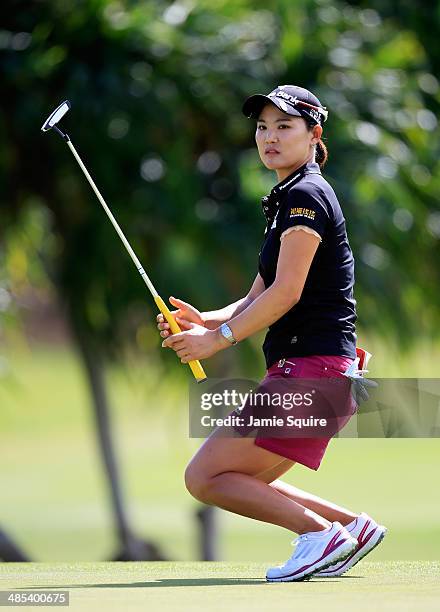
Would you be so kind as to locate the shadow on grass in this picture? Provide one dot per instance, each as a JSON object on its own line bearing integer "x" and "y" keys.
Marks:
{"x": 160, "y": 582}
{"x": 183, "y": 582}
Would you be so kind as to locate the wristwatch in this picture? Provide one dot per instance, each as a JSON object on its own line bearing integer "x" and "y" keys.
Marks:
{"x": 226, "y": 332}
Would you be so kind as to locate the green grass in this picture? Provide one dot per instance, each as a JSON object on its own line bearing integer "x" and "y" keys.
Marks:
{"x": 390, "y": 586}
{"x": 55, "y": 497}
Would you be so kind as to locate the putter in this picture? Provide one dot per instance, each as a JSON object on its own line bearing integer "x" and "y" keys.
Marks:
{"x": 52, "y": 123}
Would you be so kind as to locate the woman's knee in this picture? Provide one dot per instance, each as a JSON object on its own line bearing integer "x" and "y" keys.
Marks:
{"x": 197, "y": 483}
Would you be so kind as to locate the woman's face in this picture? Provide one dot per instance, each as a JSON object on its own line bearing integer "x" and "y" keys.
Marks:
{"x": 284, "y": 142}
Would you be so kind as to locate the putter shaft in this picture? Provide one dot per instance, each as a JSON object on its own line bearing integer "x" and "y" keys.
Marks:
{"x": 195, "y": 366}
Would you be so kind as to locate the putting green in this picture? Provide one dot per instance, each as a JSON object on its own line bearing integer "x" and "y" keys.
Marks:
{"x": 396, "y": 585}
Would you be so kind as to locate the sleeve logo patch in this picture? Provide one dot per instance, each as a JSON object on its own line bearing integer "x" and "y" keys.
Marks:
{"x": 302, "y": 212}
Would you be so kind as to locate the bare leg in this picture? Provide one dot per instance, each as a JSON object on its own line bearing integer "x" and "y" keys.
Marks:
{"x": 324, "y": 508}
{"x": 223, "y": 473}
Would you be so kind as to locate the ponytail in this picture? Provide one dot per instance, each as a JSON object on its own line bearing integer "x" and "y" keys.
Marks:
{"x": 321, "y": 154}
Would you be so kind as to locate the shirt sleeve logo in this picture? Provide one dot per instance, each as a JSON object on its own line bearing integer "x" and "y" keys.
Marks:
{"x": 302, "y": 212}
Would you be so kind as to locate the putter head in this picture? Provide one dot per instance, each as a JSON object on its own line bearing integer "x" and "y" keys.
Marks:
{"x": 56, "y": 116}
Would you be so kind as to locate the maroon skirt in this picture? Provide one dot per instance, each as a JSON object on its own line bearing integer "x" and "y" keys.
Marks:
{"x": 307, "y": 451}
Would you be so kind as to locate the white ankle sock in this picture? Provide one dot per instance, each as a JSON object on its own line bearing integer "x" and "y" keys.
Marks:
{"x": 318, "y": 534}
{"x": 351, "y": 525}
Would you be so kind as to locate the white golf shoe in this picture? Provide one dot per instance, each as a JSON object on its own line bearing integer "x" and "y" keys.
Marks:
{"x": 368, "y": 534}
{"x": 314, "y": 551}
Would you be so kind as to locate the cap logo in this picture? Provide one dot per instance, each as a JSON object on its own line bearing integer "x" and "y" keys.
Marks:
{"x": 316, "y": 113}
{"x": 282, "y": 94}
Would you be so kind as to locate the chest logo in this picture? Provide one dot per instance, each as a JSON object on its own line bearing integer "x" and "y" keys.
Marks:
{"x": 302, "y": 212}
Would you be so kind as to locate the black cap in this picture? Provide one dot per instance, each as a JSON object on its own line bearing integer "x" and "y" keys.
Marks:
{"x": 292, "y": 100}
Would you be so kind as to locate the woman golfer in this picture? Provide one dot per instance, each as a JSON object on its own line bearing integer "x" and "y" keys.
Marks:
{"x": 303, "y": 292}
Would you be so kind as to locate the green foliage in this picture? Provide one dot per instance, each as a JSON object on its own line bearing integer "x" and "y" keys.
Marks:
{"x": 156, "y": 89}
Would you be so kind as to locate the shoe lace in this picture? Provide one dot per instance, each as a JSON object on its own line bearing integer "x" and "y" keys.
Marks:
{"x": 299, "y": 539}
{"x": 296, "y": 543}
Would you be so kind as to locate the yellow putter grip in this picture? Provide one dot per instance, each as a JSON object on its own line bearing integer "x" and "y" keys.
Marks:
{"x": 195, "y": 366}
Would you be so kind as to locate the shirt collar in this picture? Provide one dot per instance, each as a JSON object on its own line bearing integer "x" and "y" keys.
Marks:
{"x": 307, "y": 168}
{"x": 270, "y": 202}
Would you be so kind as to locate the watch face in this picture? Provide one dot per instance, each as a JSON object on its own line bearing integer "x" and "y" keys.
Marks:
{"x": 227, "y": 333}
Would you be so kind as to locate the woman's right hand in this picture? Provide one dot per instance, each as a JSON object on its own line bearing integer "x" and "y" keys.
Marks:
{"x": 184, "y": 314}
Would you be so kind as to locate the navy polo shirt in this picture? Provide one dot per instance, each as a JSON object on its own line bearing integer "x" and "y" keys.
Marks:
{"x": 323, "y": 321}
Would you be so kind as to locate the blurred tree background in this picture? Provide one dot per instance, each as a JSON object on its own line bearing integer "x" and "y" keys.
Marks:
{"x": 156, "y": 89}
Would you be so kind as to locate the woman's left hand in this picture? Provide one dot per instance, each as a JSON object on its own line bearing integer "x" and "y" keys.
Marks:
{"x": 196, "y": 343}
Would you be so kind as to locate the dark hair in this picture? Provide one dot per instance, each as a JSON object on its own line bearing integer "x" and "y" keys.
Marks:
{"x": 321, "y": 149}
